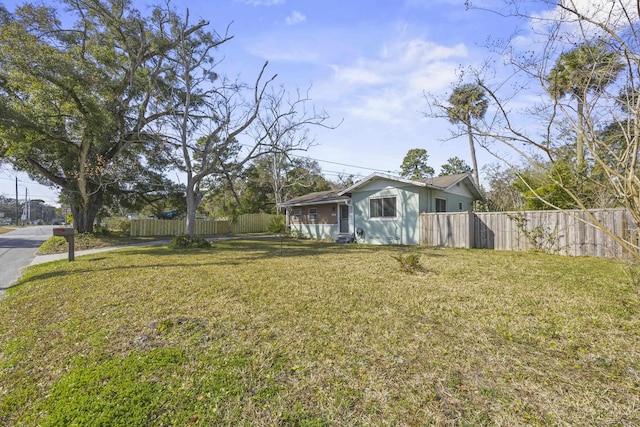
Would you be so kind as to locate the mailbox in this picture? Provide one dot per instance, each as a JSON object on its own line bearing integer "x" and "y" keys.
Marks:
{"x": 63, "y": 231}
{"x": 68, "y": 234}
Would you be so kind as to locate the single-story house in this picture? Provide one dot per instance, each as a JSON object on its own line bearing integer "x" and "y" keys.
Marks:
{"x": 379, "y": 209}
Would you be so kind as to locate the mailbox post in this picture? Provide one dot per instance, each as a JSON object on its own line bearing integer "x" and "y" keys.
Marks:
{"x": 68, "y": 234}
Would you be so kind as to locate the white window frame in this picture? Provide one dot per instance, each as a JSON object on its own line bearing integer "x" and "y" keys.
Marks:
{"x": 297, "y": 214}
{"x": 313, "y": 215}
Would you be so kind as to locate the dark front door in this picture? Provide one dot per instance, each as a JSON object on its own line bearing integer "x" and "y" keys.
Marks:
{"x": 344, "y": 219}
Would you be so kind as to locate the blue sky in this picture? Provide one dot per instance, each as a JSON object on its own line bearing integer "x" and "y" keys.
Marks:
{"x": 367, "y": 63}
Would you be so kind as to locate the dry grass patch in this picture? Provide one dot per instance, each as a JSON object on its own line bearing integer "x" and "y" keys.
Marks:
{"x": 321, "y": 335}
{"x": 57, "y": 244}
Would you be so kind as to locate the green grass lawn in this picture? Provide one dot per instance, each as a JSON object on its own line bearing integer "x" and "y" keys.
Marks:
{"x": 58, "y": 244}
{"x": 318, "y": 334}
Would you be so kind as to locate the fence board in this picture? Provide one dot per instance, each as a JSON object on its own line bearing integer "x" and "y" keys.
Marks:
{"x": 249, "y": 223}
{"x": 566, "y": 233}
{"x": 451, "y": 230}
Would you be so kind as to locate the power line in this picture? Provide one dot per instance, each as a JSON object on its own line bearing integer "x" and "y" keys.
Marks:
{"x": 324, "y": 172}
{"x": 390, "y": 172}
{"x": 344, "y": 164}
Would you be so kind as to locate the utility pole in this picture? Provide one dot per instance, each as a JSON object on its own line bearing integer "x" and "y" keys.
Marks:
{"x": 17, "y": 202}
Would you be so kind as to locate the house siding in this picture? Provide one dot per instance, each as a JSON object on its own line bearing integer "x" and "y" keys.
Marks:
{"x": 412, "y": 199}
{"x": 460, "y": 189}
{"x": 326, "y": 214}
{"x": 316, "y": 231}
{"x": 453, "y": 201}
{"x": 324, "y": 227}
{"x": 402, "y": 229}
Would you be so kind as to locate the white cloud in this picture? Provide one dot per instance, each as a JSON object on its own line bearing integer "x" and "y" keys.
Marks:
{"x": 357, "y": 75}
{"x": 295, "y": 18}
{"x": 399, "y": 63}
{"x": 375, "y": 82}
{"x": 389, "y": 86}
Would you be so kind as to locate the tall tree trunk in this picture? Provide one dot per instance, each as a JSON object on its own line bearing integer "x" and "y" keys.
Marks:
{"x": 194, "y": 197}
{"x": 580, "y": 137}
{"x": 84, "y": 214}
{"x": 472, "y": 149}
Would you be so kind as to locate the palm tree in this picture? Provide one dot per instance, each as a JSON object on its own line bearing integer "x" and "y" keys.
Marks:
{"x": 467, "y": 102}
{"x": 588, "y": 67}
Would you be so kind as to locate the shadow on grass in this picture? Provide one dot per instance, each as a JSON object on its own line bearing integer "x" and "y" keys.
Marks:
{"x": 266, "y": 248}
{"x": 248, "y": 250}
{"x": 244, "y": 250}
{"x": 75, "y": 271}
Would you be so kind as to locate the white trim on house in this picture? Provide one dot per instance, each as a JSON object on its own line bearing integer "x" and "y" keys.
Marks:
{"x": 323, "y": 202}
{"x": 469, "y": 185}
{"x": 380, "y": 176}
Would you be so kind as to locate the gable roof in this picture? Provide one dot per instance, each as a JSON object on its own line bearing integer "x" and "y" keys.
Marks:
{"x": 446, "y": 182}
{"x": 378, "y": 175}
{"x": 443, "y": 183}
{"x": 317, "y": 198}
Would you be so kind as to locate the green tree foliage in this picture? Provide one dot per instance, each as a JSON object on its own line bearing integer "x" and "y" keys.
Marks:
{"x": 586, "y": 68}
{"x": 267, "y": 181}
{"x": 467, "y": 103}
{"x": 585, "y": 58}
{"x": 503, "y": 194}
{"x": 548, "y": 190}
{"x": 415, "y": 165}
{"x": 275, "y": 178}
{"x": 79, "y": 103}
{"x": 455, "y": 165}
{"x": 301, "y": 176}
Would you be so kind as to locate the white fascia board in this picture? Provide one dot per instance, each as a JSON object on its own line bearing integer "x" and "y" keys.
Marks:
{"x": 320, "y": 202}
{"x": 381, "y": 176}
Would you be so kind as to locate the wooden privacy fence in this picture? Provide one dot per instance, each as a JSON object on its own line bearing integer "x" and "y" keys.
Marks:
{"x": 565, "y": 233}
{"x": 452, "y": 230}
{"x": 249, "y": 223}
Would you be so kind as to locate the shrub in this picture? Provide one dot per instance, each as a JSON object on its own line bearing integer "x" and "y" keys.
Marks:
{"x": 298, "y": 234}
{"x": 277, "y": 225}
{"x": 118, "y": 225}
{"x": 185, "y": 242}
{"x": 409, "y": 263}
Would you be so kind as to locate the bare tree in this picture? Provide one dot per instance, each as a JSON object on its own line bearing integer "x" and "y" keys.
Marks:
{"x": 220, "y": 125}
{"x": 607, "y": 122}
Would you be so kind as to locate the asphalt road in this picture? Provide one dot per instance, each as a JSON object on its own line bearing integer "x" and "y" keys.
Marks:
{"x": 17, "y": 250}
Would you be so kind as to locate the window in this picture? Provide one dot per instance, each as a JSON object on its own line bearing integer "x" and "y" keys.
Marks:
{"x": 313, "y": 214}
{"x": 297, "y": 214}
{"x": 460, "y": 208}
{"x": 384, "y": 207}
{"x": 441, "y": 205}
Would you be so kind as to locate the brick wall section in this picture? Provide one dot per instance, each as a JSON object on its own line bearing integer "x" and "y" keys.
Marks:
{"x": 327, "y": 214}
